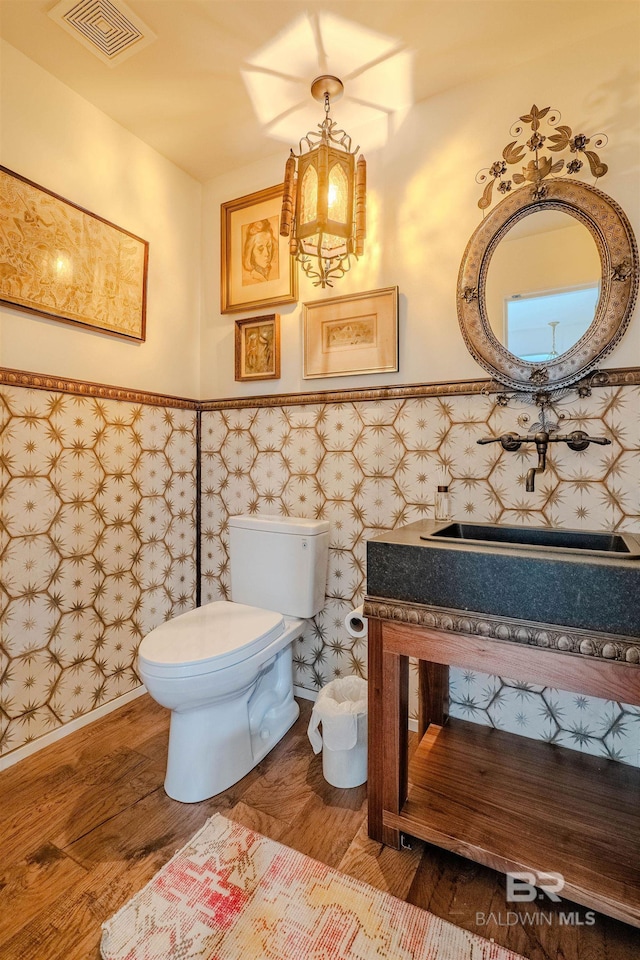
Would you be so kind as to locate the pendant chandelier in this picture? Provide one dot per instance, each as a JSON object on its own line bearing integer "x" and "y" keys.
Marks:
{"x": 324, "y": 199}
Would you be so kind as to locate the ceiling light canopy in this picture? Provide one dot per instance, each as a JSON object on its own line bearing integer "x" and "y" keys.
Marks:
{"x": 324, "y": 200}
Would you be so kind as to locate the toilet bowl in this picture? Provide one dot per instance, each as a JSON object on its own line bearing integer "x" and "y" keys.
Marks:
{"x": 225, "y": 669}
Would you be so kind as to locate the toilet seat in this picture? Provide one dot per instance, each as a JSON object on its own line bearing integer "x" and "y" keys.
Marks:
{"x": 212, "y": 637}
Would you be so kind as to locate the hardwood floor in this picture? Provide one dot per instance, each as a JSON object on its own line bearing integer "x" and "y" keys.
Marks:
{"x": 85, "y": 824}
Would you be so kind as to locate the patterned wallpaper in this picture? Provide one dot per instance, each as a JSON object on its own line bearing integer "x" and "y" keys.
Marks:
{"x": 97, "y": 547}
{"x": 368, "y": 466}
{"x": 98, "y": 539}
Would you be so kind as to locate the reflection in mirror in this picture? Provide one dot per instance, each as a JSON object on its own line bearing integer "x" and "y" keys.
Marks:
{"x": 543, "y": 285}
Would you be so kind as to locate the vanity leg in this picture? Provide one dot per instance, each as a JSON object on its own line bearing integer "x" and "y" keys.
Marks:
{"x": 388, "y": 741}
{"x": 375, "y": 730}
{"x": 433, "y": 695}
{"x": 395, "y": 739}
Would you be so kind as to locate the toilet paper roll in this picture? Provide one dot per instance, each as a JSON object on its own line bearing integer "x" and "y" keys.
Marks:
{"x": 356, "y": 623}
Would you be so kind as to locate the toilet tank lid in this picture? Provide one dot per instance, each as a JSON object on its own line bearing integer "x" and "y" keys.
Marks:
{"x": 298, "y": 526}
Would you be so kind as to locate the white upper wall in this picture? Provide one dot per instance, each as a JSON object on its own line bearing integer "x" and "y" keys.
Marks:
{"x": 60, "y": 141}
{"x": 422, "y": 210}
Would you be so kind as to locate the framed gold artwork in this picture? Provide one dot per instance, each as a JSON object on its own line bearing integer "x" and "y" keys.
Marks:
{"x": 258, "y": 348}
{"x": 62, "y": 262}
{"x": 345, "y": 336}
{"x": 256, "y": 267}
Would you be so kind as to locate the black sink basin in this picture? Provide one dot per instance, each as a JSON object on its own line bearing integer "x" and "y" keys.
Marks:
{"x": 573, "y": 578}
{"x": 539, "y": 537}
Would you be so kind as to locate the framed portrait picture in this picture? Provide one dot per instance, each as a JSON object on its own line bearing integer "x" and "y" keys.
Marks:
{"x": 258, "y": 348}
{"x": 345, "y": 336}
{"x": 62, "y": 262}
{"x": 257, "y": 269}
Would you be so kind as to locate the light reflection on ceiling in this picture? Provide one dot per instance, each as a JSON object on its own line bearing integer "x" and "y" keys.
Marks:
{"x": 376, "y": 71}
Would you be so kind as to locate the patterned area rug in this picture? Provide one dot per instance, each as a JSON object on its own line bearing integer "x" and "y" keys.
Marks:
{"x": 232, "y": 894}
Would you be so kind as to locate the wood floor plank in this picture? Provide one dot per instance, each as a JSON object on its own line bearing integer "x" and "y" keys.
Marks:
{"x": 155, "y": 824}
{"x": 282, "y": 790}
{"x": 18, "y": 789}
{"x": 30, "y": 886}
{"x": 143, "y": 715}
{"x": 256, "y": 820}
{"x": 383, "y": 867}
{"x": 340, "y": 811}
{"x": 93, "y": 794}
{"x": 70, "y": 928}
{"x": 339, "y": 823}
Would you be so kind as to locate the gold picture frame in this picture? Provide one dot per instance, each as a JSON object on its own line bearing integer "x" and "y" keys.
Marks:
{"x": 62, "y": 262}
{"x": 258, "y": 348}
{"x": 346, "y": 336}
{"x": 256, "y": 267}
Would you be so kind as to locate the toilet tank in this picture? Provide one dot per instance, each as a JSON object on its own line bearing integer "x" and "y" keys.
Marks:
{"x": 279, "y": 563}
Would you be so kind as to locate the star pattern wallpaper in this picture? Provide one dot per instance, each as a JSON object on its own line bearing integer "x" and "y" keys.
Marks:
{"x": 98, "y": 547}
{"x": 100, "y": 524}
{"x": 370, "y": 466}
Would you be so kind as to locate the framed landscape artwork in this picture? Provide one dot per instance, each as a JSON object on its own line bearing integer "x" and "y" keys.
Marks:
{"x": 256, "y": 267}
{"x": 258, "y": 348}
{"x": 345, "y": 336}
{"x": 60, "y": 261}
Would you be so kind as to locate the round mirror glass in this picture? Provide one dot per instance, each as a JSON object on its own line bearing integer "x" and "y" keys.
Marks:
{"x": 543, "y": 285}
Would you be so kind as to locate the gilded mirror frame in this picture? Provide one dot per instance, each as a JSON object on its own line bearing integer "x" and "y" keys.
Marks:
{"x": 614, "y": 239}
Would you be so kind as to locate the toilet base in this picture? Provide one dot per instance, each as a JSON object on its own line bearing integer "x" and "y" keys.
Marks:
{"x": 213, "y": 746}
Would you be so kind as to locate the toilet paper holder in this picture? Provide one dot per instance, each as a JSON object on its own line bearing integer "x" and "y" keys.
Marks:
{"x": 356, "y": 623}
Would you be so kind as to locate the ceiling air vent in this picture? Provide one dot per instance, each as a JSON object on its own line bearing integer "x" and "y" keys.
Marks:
{"x": 111, "y": 32}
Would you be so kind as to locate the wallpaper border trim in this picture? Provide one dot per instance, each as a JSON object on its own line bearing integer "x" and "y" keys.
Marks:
{"x": 621, "y": 376}
{"x": 85, "y": 388}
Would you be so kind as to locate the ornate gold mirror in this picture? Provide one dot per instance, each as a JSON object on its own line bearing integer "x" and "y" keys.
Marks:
{"x": 549, "y": 278}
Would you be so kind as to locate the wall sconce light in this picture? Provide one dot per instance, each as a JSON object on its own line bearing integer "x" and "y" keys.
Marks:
{"x": 324, "y": 201}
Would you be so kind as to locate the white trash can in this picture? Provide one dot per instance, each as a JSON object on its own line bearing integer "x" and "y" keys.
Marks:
{"x": 341, "y": 707}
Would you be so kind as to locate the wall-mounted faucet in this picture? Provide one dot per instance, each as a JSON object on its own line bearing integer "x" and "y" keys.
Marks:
{"x": 576, "y": 440}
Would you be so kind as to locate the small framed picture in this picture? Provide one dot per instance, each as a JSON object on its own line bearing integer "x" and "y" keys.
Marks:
{"x": 258, "y": 348}
{"x": 257, "y": 269}
{"x": 345, "y": 336}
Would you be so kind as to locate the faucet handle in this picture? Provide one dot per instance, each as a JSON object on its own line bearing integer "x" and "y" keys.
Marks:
{"x": 603, "y": 441}
{"x": 509, "y": 441}
{"x": 579, "y": 440}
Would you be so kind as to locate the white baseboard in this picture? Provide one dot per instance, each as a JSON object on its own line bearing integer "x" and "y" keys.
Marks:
{"x": 9, "y": 759}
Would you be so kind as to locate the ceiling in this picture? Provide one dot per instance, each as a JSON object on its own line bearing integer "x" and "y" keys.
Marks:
{"x": 226, "y": 82}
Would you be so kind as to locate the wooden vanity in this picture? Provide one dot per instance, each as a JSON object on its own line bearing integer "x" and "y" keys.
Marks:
{"x": 503, "y": 800}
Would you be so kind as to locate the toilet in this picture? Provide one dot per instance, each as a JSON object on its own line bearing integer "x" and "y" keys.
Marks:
{"x": 225, "y": 669}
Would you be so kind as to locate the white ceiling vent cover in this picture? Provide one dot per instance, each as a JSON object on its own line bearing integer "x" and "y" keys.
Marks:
{"x": 111, "y": 32}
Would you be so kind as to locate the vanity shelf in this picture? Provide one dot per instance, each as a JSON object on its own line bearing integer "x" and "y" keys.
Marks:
{"x": 515, "y": 804}
{"x": 500, "y": 799}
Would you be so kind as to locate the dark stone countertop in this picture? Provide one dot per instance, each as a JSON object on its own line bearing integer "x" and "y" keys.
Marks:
{"x": 540, "y": 584}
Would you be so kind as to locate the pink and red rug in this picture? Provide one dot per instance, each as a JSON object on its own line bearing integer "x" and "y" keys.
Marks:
{"x": 232, "y": 894}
